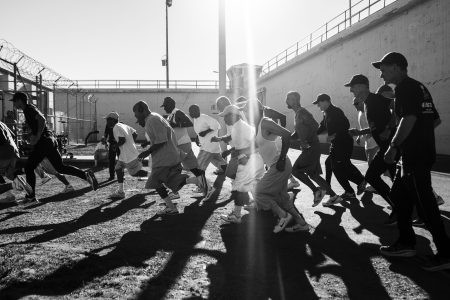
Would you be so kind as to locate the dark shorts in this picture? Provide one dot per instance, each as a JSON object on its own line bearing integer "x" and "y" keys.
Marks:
{"x": 309, "y": 161}
{"x": 171, "y": 177}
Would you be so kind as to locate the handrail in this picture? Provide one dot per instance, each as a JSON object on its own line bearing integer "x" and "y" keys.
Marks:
{"x": 146, "y": 84}
{"x": 324, "y": 32}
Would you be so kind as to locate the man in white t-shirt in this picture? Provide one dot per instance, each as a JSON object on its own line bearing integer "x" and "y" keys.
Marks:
{"x": 207, "y": 127}
{"x": 128, "y": 157}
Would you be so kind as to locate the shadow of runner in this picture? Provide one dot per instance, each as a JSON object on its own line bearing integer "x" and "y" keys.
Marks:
{"x": 353, "y": 262}
{"x": 178, "y": 233}
{"x": 260, "y": 264}
{"x": 97, "y": 215}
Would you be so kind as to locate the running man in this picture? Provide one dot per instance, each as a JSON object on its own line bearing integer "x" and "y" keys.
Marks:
{"x": 271, "y": 191}
{"x": 180, "y": 122}
{"x": 415, "y": 140}
{"x": 166, "y": 157}
{"x": 336, "y": 124}
{"x": 128, "y": 153}
{"x": 307, "y": 166}
{"x": 44, "y": 145}
{"x": 250, "y": 166}
{"x": 207, "y": 127}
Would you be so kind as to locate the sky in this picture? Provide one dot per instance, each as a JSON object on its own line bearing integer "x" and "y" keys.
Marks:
{"x": 125, "y": 39}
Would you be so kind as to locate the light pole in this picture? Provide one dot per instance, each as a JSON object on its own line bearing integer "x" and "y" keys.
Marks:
{"x": 168, "y": 4}
{"x": 222, "y": 50}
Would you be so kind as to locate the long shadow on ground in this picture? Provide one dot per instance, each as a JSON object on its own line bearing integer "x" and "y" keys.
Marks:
{"x": 178, "y": 233}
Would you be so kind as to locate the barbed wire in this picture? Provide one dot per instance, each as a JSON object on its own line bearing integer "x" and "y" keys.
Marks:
{"x": 29, "y": 68}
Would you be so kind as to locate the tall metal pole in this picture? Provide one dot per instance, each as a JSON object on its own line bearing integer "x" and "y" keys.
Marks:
{"x": 350, "y": 11}
{"x": 167, "y": 45}
{"x": 222, "y": 50}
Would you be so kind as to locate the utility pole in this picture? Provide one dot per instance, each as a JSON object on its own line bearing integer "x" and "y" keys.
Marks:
{"x": 222, "y": 50}
{"x": 168, "y": 4}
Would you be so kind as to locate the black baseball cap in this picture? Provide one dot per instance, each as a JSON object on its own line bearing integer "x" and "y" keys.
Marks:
{"x": 322, "y": 97}
{"x": 392, "y": 58}
{"x": 358, "y": 79}
{"x": 167, "y": 101}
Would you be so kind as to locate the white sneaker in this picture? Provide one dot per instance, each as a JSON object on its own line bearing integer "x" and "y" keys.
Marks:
{"x": 231, "y": 218}
{"x": 67, "y": 189}
{"x": 293, "y": 184}
{"x": 282, "y": 223}
{"x": 333, "y": 200}
{"x": 117, "y": 195}
{"x": 173, "y": 196}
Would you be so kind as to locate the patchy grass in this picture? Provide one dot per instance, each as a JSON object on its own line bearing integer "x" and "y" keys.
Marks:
{"x": 85, "y": 245}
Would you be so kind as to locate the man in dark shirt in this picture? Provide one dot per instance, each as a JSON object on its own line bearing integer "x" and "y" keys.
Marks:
{"x": 307, "y": 166}
{"x": 414, "y": 139}
{"x": 336, "y": 124}
{"x": 112, "y": 150}
{"x": 381, "y": 127}
{"x": 44, "y": 145}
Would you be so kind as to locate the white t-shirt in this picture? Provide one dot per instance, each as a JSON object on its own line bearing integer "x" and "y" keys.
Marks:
{"x": 181, "y": 133}
{"x": 369, "y": 142}
{"x": 242, "y": 135}
{"x": 205, "y": 122}
{"x": 128, "y": 151}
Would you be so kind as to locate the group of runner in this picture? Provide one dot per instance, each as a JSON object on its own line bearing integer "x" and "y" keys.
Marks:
{"x": 394, "y": 132}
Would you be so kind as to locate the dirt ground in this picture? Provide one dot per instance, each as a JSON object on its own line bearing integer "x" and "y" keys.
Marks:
{"x": 84, "y": 245}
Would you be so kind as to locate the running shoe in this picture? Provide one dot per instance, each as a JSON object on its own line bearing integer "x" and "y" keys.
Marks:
{"x": 398, "y": 250}
{"x": 318, "y": 196}
{"x": 8, "y": 197}
{"x": 46, "y": 179}
{"x": 168, "y": 212}
{"x": 119, "y": 194}
{"x": 361, "y": 187}
{"x": 19, "y": 181}
{"x": 348, "y": 196}
{"x": 333, "y": 200}
{"x": 293, "y": 184}
{"x": 297, "y": 228}
{"x": 67, "y": 189}
{"x": 282, "y": 223}
{"x": 203, "y": 184}
{"x": 173, "y": 196}
{"x": 231, "y": 218}
{"x": 90, "y": 177}
{"x": 29, "y": 200}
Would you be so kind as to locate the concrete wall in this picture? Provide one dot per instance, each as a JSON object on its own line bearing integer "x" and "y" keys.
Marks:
{"x": 122, "y": 101}
{"x": 418, "y": 29}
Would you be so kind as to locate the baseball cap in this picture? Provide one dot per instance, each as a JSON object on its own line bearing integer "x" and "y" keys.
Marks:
{"x": 322, "y": 97}
{"x": 240, "y": 102}
{"x": 392, "y": 58}
{"x": 358, "y": 79}
{"x": 19, "y": 96}
{"x": 230, "y": 109}
{"x": 167, "y": 101}
{"x": 112, "y": 115}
